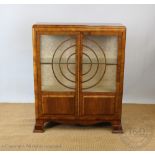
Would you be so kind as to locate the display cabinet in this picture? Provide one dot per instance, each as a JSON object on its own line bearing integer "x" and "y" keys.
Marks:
{"x": 78, "y": 74}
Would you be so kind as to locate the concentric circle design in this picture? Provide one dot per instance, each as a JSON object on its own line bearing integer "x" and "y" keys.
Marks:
{"x": 60, "y": 65}
{"x": 98, "y": 68}
{"x": 93, "y": 63}
{"x": 90, "y": 61}
{"x": 58, "y": 60}
{"x": 68, "y": 63}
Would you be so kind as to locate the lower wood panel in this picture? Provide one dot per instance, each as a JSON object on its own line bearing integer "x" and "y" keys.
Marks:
{"x": 98, "y": 105}
{"x": 61, "y": 105}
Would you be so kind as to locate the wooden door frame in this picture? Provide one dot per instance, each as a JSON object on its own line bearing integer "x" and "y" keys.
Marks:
{"x": 121, "y": 34}
{"x": 37, "y": 70}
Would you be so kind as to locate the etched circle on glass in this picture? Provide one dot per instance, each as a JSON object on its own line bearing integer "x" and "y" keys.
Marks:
{"x": 91, "y": 75}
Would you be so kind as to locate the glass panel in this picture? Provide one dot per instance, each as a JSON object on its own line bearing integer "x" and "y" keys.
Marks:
{"x": 57, "y": 57}
{"x": 99, "y": 63}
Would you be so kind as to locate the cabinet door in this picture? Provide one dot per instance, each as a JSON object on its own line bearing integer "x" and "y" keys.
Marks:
{"x": 58, "y": 69}
{"x": 99, "y": 68}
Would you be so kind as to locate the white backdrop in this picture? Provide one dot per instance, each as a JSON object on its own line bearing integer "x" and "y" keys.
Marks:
{"x": 16, "y": 65}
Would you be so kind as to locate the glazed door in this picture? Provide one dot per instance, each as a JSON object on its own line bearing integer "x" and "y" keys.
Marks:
{"x": 99, "y": 72}
{"x": 78, "y": 73}
{"x": 58, "y": 69}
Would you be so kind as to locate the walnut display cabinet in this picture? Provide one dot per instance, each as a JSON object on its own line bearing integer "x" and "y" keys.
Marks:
{"x": 78, "y": 74}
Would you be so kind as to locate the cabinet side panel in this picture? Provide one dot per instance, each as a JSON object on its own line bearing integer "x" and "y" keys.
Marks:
{"x": 120, "y": 71}
{"x": 34, "y": 41}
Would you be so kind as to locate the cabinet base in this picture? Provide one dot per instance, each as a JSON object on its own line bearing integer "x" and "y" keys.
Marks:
{"x": 117, "y": 127}
{"x": 39, "y": 126}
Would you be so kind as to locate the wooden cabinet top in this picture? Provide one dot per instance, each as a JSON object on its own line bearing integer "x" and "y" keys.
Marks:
{"x": 81, "y": 26}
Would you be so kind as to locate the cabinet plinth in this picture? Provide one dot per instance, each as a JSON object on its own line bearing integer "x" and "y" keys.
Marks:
{"x": 78, "y": 74}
